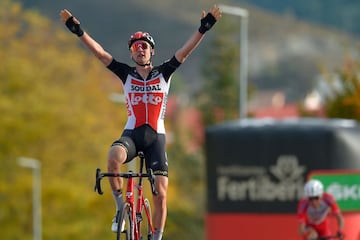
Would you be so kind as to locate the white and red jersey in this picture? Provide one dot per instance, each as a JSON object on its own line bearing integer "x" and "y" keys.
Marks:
{"x": 146, "y": 98}
{"x": 318, "y": 217}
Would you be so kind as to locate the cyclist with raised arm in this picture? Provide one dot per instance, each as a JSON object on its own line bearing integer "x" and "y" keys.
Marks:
{"x": 146, "y": 89}
{"x": 313, "y": 212}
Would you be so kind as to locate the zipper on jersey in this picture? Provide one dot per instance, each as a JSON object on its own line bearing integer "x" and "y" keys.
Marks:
{"x": 146, "y": 103}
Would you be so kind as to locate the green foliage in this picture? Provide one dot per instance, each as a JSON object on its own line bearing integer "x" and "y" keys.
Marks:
{"x": 55, "y": 108}
{"x": 279, "y": 55}
{"x": 187, "y": 189}
{"x": 219, "y": 98}
{"x": 343, "y": 101}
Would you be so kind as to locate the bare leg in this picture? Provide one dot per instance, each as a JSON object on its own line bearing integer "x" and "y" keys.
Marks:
{"x": 160, "y": 209}
{"x": 117, "y": 156}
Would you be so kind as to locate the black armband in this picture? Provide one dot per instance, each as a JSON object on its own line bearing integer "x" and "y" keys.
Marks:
{"x": 74, "y": 27}
{"x": 206, "y": 23}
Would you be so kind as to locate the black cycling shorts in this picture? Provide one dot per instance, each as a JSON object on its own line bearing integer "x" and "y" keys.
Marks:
{"x": 152, "y": 144}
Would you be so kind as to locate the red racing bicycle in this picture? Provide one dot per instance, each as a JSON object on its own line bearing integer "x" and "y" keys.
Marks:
{"x": 135, "y": 222}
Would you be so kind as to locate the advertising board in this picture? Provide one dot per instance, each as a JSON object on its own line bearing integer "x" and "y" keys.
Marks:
{"x": 344, "y": 185}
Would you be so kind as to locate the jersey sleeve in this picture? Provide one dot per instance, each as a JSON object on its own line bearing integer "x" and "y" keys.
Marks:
{"x": 330, "y": 200}
{"x": 301, "y": 211}
{"x": 169, "y": 67}
{"x": 119, "y": 69}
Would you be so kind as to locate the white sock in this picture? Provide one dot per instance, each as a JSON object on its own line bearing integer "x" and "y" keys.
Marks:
{"x": 158, "y": 234}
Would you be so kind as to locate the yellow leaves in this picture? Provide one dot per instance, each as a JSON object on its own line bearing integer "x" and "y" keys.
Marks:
{"x": 345, "y": 89}
{"x": 55, "y": 107}
{"x": 10, "y": 19}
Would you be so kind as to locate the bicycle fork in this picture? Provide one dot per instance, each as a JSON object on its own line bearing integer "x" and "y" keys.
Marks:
{"x": 130, "y": 199}
{"x": 142, "y": 205}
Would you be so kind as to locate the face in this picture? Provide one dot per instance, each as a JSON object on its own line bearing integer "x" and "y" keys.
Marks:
{"x": 141, "y": 52}
{"x": 314, "y": 201}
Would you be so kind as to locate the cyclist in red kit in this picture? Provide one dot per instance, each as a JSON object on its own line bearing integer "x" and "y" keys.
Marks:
{"x": 146, "y": 89}
{"x": 313, "y": 212}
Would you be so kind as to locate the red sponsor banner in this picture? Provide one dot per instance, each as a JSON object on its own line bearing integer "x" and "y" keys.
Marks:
{"x": 268, "y": 226}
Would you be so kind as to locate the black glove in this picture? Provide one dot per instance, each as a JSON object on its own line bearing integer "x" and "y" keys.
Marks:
{"x": 206, "y": 23}
{"x": 74, "y": 27}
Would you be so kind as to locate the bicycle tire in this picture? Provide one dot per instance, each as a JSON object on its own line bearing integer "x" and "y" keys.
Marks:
{"x": 127, "y": 233}
{"x": 145, "y": 224}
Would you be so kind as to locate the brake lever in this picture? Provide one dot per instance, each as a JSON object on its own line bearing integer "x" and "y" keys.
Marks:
{"x": 151, "y": 178}
{"x": 97, "y": 186}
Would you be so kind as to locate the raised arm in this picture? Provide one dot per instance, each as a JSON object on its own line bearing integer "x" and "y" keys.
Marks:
{"x": 74, "y": 26}
{"x": 207, "y": 21}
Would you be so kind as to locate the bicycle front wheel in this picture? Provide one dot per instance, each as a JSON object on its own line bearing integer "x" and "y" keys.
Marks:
{"x": 125, "y": 230}
{"x": 146, "y": 223}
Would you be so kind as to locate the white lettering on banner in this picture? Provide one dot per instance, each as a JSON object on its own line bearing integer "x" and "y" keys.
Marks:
{"x": 145, "y": 98}
{"x": 257, "y": 190}
{"x": 235, "y": 183}
{"x": 344, "y": 192}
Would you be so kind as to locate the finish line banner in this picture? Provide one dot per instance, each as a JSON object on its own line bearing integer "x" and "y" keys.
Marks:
{"x": 343, "y": 185}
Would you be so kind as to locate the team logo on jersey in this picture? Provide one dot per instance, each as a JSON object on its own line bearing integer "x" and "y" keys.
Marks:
{"x": 145, "y": 92}
{"x": 141, "y": 86}
{"x": 137, "y": 98}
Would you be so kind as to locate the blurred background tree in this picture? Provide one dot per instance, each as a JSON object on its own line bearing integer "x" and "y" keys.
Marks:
{"x": 55, "y": 107}
{"x": 218, "y": 100}
{"x": 342, "y": 98}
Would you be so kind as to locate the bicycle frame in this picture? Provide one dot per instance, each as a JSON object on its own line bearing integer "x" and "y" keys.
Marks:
{"x": 139, "y": 205}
